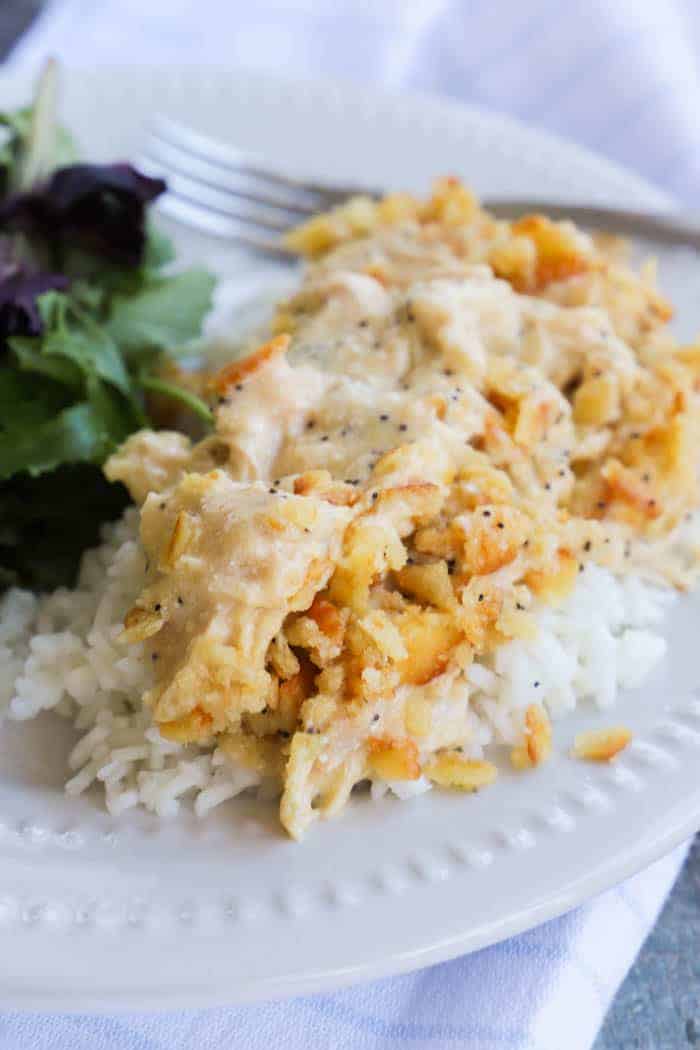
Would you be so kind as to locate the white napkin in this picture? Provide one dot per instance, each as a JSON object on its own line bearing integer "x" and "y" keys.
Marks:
{"x": 619, "y": 76}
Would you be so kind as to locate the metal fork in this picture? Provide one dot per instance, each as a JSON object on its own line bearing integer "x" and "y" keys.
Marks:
{"x": 230, "y": 194}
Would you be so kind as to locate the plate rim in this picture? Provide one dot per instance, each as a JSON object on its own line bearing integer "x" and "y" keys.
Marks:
{"x": 22, "y": 74}
{"x": 324, "y": 982}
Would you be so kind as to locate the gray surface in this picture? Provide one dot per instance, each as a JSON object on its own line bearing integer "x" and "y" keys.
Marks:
{"x": 658, "y": 1006}
{"x": 15, "y": 16}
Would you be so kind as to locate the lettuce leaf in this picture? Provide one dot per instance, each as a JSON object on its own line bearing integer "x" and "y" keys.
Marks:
{"x": 73, "y": 435}
{"x": 47, "y": 521}
{"x": 89, "y": 308}
{"x": 97, "y": 208}
{"x": 164, "y": 314}
{"x": 20, "y": 291}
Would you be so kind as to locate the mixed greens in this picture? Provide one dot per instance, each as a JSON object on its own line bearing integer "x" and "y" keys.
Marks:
{"x": 89, "y": 310}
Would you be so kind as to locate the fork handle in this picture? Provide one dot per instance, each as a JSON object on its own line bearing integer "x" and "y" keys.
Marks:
{"x": 669, "y": 228}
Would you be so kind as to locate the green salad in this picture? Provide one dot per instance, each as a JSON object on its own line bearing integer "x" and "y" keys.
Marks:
{"x": 91, "y": 308}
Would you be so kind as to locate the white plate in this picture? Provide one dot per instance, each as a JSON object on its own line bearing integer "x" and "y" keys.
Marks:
{"x": 102, "y": 913}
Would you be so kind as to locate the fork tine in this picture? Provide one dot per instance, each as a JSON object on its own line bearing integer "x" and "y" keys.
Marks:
{"x": 270, "y": 217}
{"x": 225, "y": 227}
{"x": 227, "y": 180}
{"x": 230, "y": 194}
{"x": 228, "y": 158}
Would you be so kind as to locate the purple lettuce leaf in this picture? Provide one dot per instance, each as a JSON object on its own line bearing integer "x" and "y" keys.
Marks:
{"x": 97, "y": 208}
{"x": 19, "y": 291}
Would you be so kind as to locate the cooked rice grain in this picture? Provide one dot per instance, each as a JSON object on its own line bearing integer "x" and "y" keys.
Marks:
{"x": 64, "y": 655}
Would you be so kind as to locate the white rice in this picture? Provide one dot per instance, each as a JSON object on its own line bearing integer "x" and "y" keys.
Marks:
{"x": 61, "y": 653}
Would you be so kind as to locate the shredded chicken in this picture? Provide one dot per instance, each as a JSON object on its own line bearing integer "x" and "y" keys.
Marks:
{"x": 455, "y": 415}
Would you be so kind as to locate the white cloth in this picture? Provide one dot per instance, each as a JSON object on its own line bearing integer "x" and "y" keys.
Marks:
{"x": 619, "y": 76}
